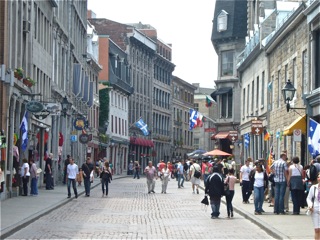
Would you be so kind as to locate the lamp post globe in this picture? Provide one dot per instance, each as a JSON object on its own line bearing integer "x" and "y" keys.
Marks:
{"x": 288, "y": 93}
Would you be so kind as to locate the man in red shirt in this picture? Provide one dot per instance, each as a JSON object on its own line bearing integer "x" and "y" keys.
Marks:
{"x": 161, "y": 165}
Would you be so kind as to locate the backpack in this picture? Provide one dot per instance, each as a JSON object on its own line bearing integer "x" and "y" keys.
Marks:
{"x": 312, "y": 173}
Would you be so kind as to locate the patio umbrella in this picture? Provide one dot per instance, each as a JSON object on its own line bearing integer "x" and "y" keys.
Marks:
{"x": 217, "y": 152}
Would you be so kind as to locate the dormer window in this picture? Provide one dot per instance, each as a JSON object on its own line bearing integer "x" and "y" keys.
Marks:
{"x": 222, "y": 21}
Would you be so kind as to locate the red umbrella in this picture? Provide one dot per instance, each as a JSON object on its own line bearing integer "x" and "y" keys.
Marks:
{"x": 217, "y": 152}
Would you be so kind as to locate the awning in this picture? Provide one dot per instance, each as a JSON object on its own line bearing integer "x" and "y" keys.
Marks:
{"x": 220, "y": 91}
{"x": 220, "y": 135}
{"x": 299, "y": 123}
{"x": 141, "y": 142}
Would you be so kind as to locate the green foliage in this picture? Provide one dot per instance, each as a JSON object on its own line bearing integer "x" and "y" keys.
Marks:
{"x": 104, "y": 106}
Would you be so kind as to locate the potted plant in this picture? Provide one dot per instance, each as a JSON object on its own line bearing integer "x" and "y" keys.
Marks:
{"x": 29, "y": 82}
{"x": 18, "y": 73}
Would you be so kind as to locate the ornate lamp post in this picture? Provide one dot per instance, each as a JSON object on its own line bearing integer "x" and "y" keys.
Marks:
{"x": 288, "y": 93}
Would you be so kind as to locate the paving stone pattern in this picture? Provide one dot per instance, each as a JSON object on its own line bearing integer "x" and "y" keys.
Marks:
{"x": 130, "y": 213}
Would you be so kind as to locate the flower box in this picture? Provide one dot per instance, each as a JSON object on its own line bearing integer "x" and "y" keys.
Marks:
{"x": 18, "y": 73}
{"x": 29, "y": 82}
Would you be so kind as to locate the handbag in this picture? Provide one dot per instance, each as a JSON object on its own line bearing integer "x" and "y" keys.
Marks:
{"x": 226, "y": 188}
{"x": 205, "y": 200}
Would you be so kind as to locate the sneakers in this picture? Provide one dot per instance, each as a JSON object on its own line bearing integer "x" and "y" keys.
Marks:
{"x": 153, "y": 191}
{"x": 197, "y": 191}
{"x": 232, "y": 214}
{"x": 193, "y": 192}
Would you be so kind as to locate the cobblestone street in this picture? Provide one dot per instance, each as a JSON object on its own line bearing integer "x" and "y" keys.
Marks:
{"x": 130, "y": 213}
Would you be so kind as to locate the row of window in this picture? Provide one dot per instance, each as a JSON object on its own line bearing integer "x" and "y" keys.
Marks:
{"x": 181, "y": 94}
{"x": 161, "y": 98}
{"x": 118, "y": 100}
{"x": 181, "y": 138}
{"x": 161, "y": 124}
{"x": 162, "y": 75}
{"x": 119, "y": 126}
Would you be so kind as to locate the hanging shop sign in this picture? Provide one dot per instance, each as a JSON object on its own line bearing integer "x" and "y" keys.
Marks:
{"x": 41, "y": 115}
{"x": 233, "y": 136}
{"x": 34, "y": 106}
{"x": 84, "y": 138}
{"x": 79, "y": 123}
{"x": 53, "y": 108}
{"x": 256, "y": 127}
{"x": 73, "y": 138}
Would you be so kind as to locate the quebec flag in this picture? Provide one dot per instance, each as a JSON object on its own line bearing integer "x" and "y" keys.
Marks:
{"x": 246, "y": 140}
{"x": 314, "y": 138}
{"x": 24, "y": 131}
{"x": 193, "y": 119}
{"x": 143, "y": 127}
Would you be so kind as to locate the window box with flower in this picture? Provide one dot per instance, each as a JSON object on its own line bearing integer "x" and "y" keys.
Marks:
{"x": 29, "y": 82}
{"x": 18, "y": 73}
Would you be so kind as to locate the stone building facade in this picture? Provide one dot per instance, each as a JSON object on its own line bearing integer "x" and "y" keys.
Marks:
{"x": 182, "y": 102}
{"x": 46, "y": 39}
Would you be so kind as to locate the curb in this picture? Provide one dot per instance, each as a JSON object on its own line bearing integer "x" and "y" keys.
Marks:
{"x": 7, "y": 232}
{"x": 264, "y": 226}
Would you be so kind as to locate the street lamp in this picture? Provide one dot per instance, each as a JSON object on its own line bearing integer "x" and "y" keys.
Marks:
{"x": 65, "y": 106}
{"x": 288, "y": 93}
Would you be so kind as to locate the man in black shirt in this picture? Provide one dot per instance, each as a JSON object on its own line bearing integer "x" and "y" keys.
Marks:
{"x": 48, "y": 170}
{"x": 87, "y": 170}
{"x": 66, "y": 162}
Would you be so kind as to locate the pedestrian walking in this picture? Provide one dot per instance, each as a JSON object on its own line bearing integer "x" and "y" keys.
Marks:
{"x": 48, "y": 171}
{"x": 34, "y": 178}
{"x": 66, "y": 163}
{"x": 87, "y": 171}
{"x": 136, "y": 170}
{"x": 206, "y": 170}
{"x": 72, "y": 172}
{"x": 180, "y": 174}
{"x": 106, "y": 177}
{"x": 165, "y": 177}
{"x": 215, "y": 189}
{"x": 194, "y": 179}
{"x": 80, "y": 177}
{"x": 259, "y": 181}
{"x": 279, "y": 168}
{"x": 295, "y": 182}
{"x": 130, "y": 168}
{"x": 25, "y": 175}
{"x": 151, "y": 174}
{"x": 244, "y": 180}
{"x": 313, "y": 201}
{"x": 230, "y": 180}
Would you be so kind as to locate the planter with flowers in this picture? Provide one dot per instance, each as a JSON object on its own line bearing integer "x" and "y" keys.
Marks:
{"x": 18, "y": 73}
{"x": 29, "y": 82}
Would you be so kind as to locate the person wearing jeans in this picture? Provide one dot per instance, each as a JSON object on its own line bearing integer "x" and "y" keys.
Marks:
{"x": 280, "y": 169}
{"x": 34, "y": 178}
{"x": 259, "y": 180}
{"x": 106, "y": 177}
{"x": 136, "y": 170}
{"x": 215, "y": 189}
{"x": 72, "y": 171}
{"x": 231, "y": 180}
{"x": 87, "y": 171}
{"x": 180, "y": 175}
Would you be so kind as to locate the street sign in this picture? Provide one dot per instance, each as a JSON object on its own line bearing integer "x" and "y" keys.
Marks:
{"x": 233, "y": 136}
{"x": 256, "y": 127}
{"x": 84, "y": 138}
{"x": 213, "y": 130}
{"x": 297, "y": 135}
{"x": 34, "y": 106}
{"x": 73, "y": 138}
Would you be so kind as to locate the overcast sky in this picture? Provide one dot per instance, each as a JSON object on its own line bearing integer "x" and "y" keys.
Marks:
{"x": 186, "y": 24}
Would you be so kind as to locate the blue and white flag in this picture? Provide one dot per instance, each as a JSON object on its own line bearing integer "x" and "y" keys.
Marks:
{"x": 193, "y": 119}
{"x": 143, "y": 127}
{"x": 24, "y": 131}
{"x": 314, "y": 138}
{"x": 246, "y": 140}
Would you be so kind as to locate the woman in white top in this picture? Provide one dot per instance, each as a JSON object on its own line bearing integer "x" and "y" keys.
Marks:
{"x": 25, "y": 174}
{"x": 259, "y": 180}
{"x": 313, "y": 201}
{"x": 295, "y": 182}
{"x": 165, "y": 174}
